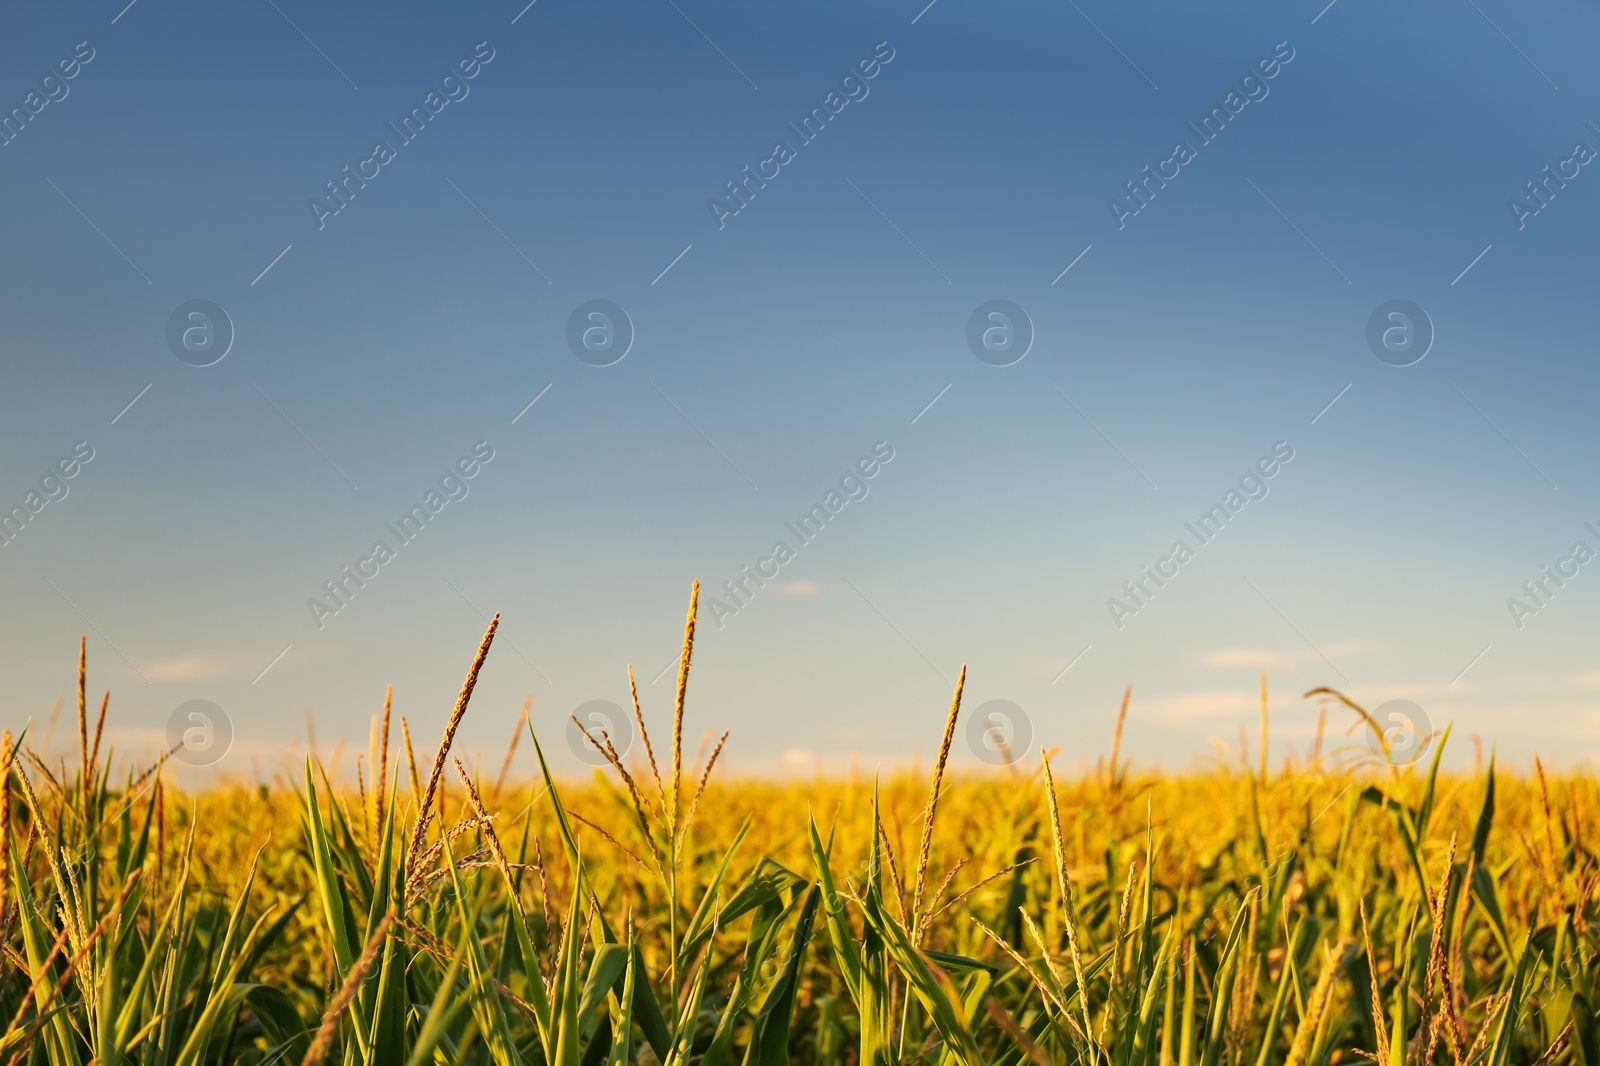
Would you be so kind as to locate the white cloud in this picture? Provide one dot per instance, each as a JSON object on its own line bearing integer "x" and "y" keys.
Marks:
{"x": 1272, "y": 660}
{"x": 1190, "y": 705}
{"x": 202, "y": 667}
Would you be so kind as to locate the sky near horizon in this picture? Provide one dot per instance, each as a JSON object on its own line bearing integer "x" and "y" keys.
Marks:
{"x": 1007, "y": 300}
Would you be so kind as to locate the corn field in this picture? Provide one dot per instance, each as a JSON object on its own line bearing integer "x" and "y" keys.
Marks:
{"x": 1305, "y": 915}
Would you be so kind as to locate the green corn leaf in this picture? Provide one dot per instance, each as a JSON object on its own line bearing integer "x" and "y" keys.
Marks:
{"x": 769, "y": 1035}
{"x": 235, "y": 921}
{"x": 564, "y": 990}
{"x": 448, "y": 1002}
{"x": 688, "y": 1018}
{"x": 60, "y": 1042}
{"x": 1488, "y": 897}
{"x": 973, "y": 993}
{"x": 913, "y": 967}
{"x": 278, "y": 1017}
{"x": 622, "y": 1023}
{"x": 488, "y": 1008}
{"x": 1280, "y": 1001}
{"x": 1585, "y": 1031}
{"x": 199, "y": 1034}
{"x": 699, "y": 925}
{"x": 1425, "y": 807}
{"x": 647, "y": 1012}
{"x": 610, "y": 962}
{"x": 847, "y": 949}
{"x": 1480, "y": 834}
{"x": 1506, "y": 1026}
{"x": 128, "y": 1017}
{"x": 388, "y": 1004}
{"x": 954, "y": 963}
{"x": 759, "y": 941}
{"x": 330, "y": 887}
{"x": 1144, "y": 1049}
{"x": 1222, "y": 989}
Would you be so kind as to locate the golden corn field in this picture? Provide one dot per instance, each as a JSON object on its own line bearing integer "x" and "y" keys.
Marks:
{"x": 1252, "y": 916}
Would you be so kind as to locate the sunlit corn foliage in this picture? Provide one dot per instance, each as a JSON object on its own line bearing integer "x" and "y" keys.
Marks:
{"x": 424, "y": 912}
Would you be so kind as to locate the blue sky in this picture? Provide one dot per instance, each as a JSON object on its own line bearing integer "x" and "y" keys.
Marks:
{"x": 375, "y": 348}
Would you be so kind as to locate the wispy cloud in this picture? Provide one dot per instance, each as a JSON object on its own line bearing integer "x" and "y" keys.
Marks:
{"x": 1271, "y": 659}
{"x": 1182, "y": 706}
{"x": 203, "y": 667}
